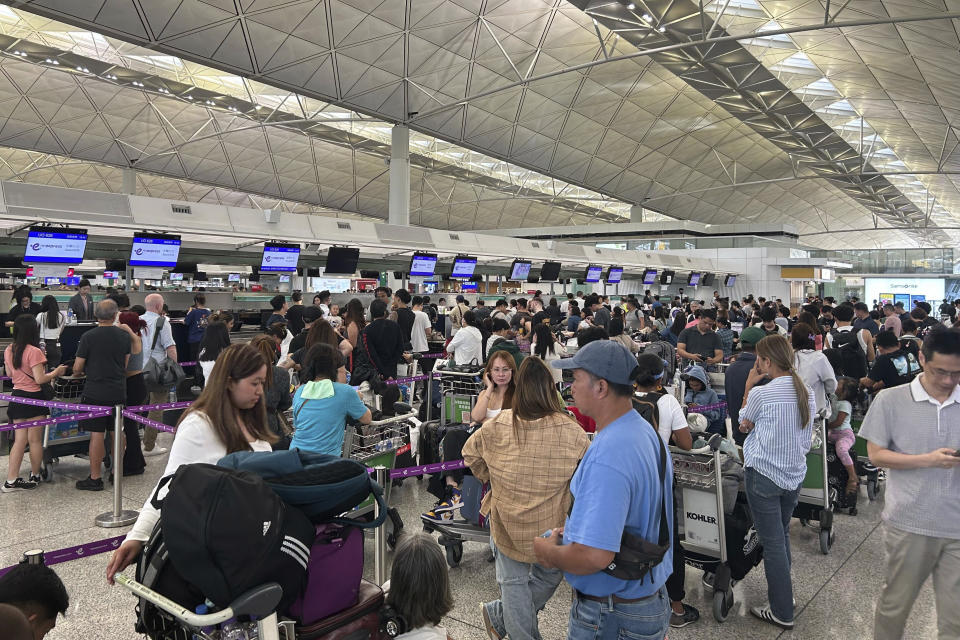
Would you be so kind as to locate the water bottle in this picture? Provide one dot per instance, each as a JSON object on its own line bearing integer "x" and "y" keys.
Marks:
{"x": 206, "y": 632}
{"x": 233, "y": 630}
{"x": 70, "y": 317}
{"x": 172, "y": 395}
{"x": 253, "y": 630}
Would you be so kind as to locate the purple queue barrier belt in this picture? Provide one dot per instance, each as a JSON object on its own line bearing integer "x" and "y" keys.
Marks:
{"x": 433, "y": 355}
{"x": 10, "y": 426}
{"x": 77, "y": 552}
{"x": 406, "y": 472}
{"x": 51, "y": 404}
{"x": 159, "y": 426}
{"x": 397, "y": 381}
{"x": 187, "y": 364}
{"x": 158, "y": 407}
{"x": 710, "y": 407}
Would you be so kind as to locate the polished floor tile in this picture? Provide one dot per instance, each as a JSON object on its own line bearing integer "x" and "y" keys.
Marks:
{"x": 835, "y": 592}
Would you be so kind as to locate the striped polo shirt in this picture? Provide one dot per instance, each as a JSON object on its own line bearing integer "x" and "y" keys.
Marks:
{"x": 906, "y": 419}
{"x": 778, "y": 444}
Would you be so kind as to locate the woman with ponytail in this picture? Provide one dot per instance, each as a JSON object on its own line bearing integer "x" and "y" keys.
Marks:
{"x": 778, "y": 418}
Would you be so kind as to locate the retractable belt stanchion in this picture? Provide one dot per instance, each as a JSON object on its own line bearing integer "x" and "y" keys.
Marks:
{"x": 379, "y": 536}
{"x": 119, "y": 517}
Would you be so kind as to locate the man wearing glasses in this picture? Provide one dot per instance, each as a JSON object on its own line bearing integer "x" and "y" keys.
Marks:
{"x": 913, "y": 431}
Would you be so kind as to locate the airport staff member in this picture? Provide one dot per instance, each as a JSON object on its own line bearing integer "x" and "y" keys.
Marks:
{"x": 81, "y": 303}
{"x": 616, "y": 488}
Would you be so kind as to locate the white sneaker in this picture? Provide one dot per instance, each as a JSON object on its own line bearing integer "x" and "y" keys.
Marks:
{"x": 156, "y": 451}
{"x": 765, "y": 614}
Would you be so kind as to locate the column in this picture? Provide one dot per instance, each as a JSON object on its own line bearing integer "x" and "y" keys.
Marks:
{"x": 636, "y": 213}
{"x": 399, "y": 207}
{"x": 129, "y": 185}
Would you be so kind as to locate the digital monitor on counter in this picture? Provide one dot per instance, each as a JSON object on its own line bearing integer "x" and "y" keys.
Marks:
{"x": 650, "y": 276}
{"x": 280, "y": 257}
{"x": 614, "y": 275}
{"x": 520, "y": 270}
{"x": 154, "y": 250}
{"x": 694, "y": 279}
{"x": 463, "y": 267}
{"x": 233, "y": 277}
{"x": 593, "y": 274}
{"x": 55, "y": 245}
{"x": 730, "y": 280}
{"x": 468, "y": 286}
{"x": 423, "y": 265}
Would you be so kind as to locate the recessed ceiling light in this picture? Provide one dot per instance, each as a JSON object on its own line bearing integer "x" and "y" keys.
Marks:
{"x": 646, "y": 17}
{"x": 631, "y": 6}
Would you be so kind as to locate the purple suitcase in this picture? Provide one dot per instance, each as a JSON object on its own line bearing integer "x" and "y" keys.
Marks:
{"x": 337, "y": 551}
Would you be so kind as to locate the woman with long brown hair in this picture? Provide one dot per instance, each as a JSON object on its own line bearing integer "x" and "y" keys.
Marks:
{"x": 778, "y": 417}
{"x": 276, "y": 388}
{"x": 228, "y": 416}
{"x": 354, "y": 320}
{"x": 510, "y": 452}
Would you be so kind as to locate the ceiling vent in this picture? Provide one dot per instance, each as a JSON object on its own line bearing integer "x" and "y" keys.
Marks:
{"x": 344, "y": 225}
{"x": 180, "y": 208}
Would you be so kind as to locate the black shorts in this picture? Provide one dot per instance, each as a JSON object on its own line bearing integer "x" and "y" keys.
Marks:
{"x": 17, "y": 411}
{"x": 97, "y": 425}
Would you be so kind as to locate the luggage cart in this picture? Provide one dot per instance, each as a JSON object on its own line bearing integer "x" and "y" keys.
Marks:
{"x": 378, "y": 444}
{"x": 697, "y": 474}
{"x": 817, "y": 497}
{"x": 865, "y": 469}
{"x": 460, "y": 391}
{"x": 65, "y": 438}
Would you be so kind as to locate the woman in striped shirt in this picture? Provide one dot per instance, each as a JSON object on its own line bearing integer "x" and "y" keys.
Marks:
{"x": 778, "y": 417}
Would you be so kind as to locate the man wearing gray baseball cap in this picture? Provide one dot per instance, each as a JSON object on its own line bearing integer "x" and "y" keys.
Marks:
{"x": 614, "y": 548}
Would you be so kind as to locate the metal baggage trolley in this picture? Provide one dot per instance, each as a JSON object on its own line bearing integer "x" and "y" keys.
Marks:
{"x": 64, "y": 438}
{"x": 817, "y": 497}
{"x": 697, "y": 474}
{"x": 459, "y": 394}
{"x": 377, "y": 444}
{"x": 865, "y": 469}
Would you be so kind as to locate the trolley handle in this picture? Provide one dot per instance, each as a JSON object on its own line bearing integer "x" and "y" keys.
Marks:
{"x": 260, "y": 602}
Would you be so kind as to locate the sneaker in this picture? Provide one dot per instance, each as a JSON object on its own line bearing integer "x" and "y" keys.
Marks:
{"x": 156, "y": 451}
{"x": 708, "y": 579}
{"x": 442, "y": 512}
{"x": 765, "y": 614}
{"x": 90, "y": 484}
{"x": 18, "y": 485}
{"x": 689, "y": 615}
{"x": 488, "y": 624}
{"x": 35, "y": 477}
{"x": 454, "y": 502}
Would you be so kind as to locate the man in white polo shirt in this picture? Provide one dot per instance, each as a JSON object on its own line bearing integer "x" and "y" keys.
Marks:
{"x": 913, "y": 431}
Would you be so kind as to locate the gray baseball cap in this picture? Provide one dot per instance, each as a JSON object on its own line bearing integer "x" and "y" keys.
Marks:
{"x": 605, "y": 359}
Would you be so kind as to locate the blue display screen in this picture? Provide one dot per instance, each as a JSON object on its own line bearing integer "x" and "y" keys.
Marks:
{"x": 57, "y": 247}
{"x": 154, "y": 251}
{"x": 279, "y": 258}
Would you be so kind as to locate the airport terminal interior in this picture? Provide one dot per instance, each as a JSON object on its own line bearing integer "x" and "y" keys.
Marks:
{"x": 288, "y": 173}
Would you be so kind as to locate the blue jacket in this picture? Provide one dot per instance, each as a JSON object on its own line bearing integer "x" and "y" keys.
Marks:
{"x": 707, "y": 396}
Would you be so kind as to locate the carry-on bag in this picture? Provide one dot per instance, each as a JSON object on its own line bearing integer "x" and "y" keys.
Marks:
{"x": 333, "y": 574}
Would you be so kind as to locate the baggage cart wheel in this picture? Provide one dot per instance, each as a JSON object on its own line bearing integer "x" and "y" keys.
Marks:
{"x": 454, "y": 551}
{"x": 826, "y": 540}
{"x": 722, "y": 603}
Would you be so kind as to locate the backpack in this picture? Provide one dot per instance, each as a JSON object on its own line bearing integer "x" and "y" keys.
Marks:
{"x": 163, "y": 374}
{"x": 647, "y": 407}
{"x": 667, "y": 353}
{"x": 321, "y": 486}
{"x": 226, "y": 532}
{"x": 848, "y": 353}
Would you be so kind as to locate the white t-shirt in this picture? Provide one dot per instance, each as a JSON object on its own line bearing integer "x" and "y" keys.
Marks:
{"x": 47, "y": 333}
{"x": 425, "y": 633}
{"x": 418, "y": 335}
{"x": 467, "y": 346}
{"x": 671, "y": 417}
{"x": 196, "y": 441}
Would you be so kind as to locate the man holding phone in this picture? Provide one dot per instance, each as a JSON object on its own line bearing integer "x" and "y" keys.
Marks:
{"x": 700, "y": 343}
{"x": 913, "y": 431}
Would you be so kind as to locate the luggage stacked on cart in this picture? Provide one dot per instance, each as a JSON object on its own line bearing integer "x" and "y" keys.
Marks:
{"x": 269, "y": 517}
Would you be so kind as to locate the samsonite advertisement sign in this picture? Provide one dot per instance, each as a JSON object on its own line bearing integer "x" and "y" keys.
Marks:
{"x": 905, "y": 290}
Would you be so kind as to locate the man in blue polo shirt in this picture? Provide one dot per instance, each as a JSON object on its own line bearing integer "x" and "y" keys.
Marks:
{"x": 616, "y": 488}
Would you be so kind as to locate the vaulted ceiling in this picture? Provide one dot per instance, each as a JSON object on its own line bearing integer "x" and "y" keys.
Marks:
{"x": 524, "y": 112}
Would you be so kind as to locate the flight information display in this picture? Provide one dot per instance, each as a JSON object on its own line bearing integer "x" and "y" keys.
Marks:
{"x": 463, "y": 267}
{"x": 614, "y": 275}
{"x": 694, "y": 280}
{"x": 279, "y": 257}
{"x": 649, "y": 276}
{"x": 593, "y": 273}
{"x": 154, "y": 250}
{"x": 423, "y": 265}
{"x": 520, "y": 270}
{"x": 55, "y": 245}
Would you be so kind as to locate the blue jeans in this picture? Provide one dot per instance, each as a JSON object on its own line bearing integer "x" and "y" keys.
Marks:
{"x": 525, "y": 589}
{"x": 772, "y": 508}
{"x": 648, "y": 619}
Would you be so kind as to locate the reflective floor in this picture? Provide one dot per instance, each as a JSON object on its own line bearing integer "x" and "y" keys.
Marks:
{"x": 835, "y": 593}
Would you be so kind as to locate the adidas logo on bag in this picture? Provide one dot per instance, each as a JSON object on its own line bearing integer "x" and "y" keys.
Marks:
{"x": 266, "y": 527}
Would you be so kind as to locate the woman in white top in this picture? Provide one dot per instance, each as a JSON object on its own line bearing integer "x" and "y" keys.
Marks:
{"x": 546, "y": 347}
{"x": 228, "y": 416}
{"x": 500, "y": 380}
{"x": 51, "y": 321}
{"x": 672, "y": 426}
{"x": 215, "y": 339}
{"x": 467, "y": 345}
{"x": 813, "y": 366}
{"x": 420, "y": 588}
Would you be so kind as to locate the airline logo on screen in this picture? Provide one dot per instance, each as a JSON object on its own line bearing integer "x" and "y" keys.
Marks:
{"x": 55, "y": 247}
{"x": 154, "y": 252}
{"x": 280, "y": 258}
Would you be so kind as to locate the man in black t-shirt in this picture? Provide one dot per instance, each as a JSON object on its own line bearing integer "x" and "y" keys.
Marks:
{"x": 403, "y": 315}
{"x": 294, "y": 315}
{"x": 700, "y": 343}
{"x": 102, "y": 354}
{"x": 310, "y": 315}
{"x": 279, "y": 305}
{"x": 893, "y": 365}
